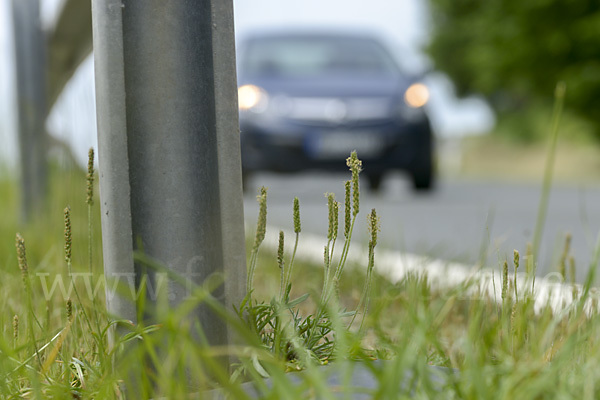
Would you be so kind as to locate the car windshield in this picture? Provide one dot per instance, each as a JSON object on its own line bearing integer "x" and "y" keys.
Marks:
{"x": 316, "y": 56}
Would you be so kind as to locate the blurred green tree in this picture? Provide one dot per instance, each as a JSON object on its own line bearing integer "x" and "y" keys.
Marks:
{"x": 515, "y": 51}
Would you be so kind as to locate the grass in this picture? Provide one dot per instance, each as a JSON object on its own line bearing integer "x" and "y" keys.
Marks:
{"x": 516, "y": 150}
{"x": 492, "y": 158}
{"x": 56, "y": 346}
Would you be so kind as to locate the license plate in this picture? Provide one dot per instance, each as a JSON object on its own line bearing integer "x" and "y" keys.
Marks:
{"x": 339, "y": 144}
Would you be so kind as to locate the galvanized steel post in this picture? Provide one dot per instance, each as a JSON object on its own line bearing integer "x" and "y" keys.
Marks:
{"x": 169, "y": 149}
{"x": 30, "y": 63}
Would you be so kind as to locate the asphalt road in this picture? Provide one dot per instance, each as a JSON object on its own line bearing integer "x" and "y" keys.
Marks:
{"x": 465, "y": 221}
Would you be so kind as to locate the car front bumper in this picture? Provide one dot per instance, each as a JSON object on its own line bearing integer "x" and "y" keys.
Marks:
{"x": 288, "y": 148}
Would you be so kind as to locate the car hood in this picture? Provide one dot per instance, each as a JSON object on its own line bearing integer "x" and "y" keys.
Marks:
{"x": 332, "y": 86}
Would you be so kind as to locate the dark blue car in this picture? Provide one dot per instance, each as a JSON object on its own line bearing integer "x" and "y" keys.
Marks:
{"x": 308, "y": 99}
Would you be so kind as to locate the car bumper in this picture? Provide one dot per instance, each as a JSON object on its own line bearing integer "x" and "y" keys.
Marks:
{"x": 382, "y": 147}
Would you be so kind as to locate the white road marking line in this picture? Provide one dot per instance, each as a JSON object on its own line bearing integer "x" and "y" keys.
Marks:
{"x": 481, "y": 282}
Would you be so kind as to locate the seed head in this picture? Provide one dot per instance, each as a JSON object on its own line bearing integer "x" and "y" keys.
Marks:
{"x": 280, "y": 250}
{"x": 504, "y": 280}
{"x": 69, "y": 308}
{"x": 572, "y": 269}
{"x": 371, "y": 257}
{"x": 22, "y": 260}
{"x": 572, "y": 273}
{"x": 336, "y": 213}
{"x": 16, "y": 328}
{"x": 347, "y": 210}
{"x": 326, "y": 260}
{"x": 355, "y": 166}
{"x": 68, "y": 236}
{"x": 261, "y": 225}
{"x": 513, "y": 317}
{"x": 332, "y": 218}
{"x": 297, "y": 227}
{"x": 373, "y": 225}
{"x": 90, "y": 178}
{"x": 21, "y": 254}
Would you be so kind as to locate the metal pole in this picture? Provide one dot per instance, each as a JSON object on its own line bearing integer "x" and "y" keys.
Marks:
{"x": 168, "y": 137}
{"x": 69, "y": 43}
{"x": 31, "y": 100}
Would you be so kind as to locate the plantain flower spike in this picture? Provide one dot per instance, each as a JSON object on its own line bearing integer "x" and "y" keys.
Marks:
{"x": 261, "y": 227}
{"x": 297, "y": 226}
{"x": 90, "y": 178}
{"x": 347, "y": 208}
{"x": 280, "y": 251}
{"x": 68, "y": 235}
{"x": 374, "y": 226}
{"x": 355, "y": 166}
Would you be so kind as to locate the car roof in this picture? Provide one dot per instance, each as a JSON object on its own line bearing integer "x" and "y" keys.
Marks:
{"x": 321, "y": 33}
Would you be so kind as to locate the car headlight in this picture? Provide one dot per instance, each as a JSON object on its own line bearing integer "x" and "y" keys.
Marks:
{"x": 251, "y": 97}
{"x": 417, "y": 95}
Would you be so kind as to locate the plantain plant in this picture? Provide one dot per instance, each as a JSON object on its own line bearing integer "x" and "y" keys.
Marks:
{"x": 281, "y": 327}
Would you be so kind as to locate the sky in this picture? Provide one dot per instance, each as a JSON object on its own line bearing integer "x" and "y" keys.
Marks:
{"x": 7, "y": 124}
{"x": 402, "y": 24}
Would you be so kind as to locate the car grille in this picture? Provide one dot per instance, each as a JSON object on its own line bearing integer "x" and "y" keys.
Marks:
{"x": 335, "y": 111}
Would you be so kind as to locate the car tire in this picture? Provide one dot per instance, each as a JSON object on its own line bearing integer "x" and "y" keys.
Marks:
{"x": 423, "y": 172}
{"x": 374, "y": 182}
{"x": 245, "y": 179}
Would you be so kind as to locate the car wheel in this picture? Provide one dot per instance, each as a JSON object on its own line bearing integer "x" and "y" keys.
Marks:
{"x": 423, "y": 172}
{"x": 245, "y": 179}
{"x": 374, "y": 182}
